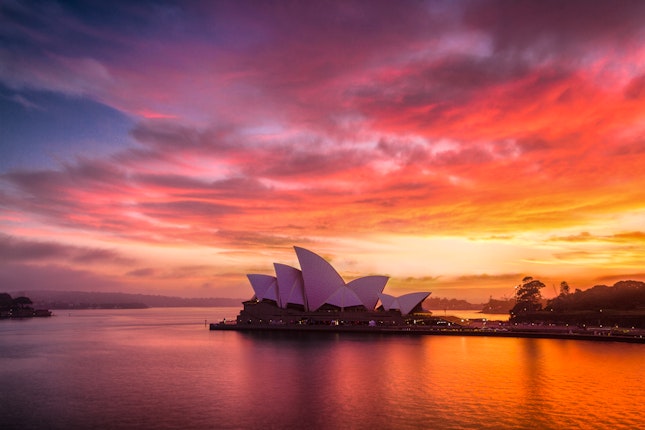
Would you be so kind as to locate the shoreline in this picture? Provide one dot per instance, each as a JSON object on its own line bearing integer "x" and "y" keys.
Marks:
{"x": 558, "y": 333}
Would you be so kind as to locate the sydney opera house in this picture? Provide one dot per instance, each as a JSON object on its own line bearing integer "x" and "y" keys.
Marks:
{"x": 316, "y": 294}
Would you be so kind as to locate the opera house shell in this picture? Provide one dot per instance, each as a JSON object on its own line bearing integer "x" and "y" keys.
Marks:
{"x": 317, "y": 294}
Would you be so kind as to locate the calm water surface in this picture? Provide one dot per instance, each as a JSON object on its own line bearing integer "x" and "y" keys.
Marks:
{"x": 161, "y": 368}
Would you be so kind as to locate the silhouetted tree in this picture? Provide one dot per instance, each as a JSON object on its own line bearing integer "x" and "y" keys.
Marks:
{"x": 22, "y": 302}
{"x": 624, "y": 295}
{"x": 528, "y": 296}
{"x": 5, "y": 301}
{"x": 564, "y": 288}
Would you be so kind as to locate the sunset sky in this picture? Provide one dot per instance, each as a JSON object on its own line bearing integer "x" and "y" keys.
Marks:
{"x": 172, "y": 147}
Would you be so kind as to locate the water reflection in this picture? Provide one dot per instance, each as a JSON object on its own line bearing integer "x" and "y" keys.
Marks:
{"x": 328, "y": 379}
{"x": 131, "y": 369}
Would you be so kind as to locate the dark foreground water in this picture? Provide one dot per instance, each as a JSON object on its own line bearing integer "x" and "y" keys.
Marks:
{"x": 161, "y": 368}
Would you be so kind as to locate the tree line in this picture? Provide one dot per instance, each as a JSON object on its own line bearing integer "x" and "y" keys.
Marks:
{"x": 18, "y": 307}
{"x": 621, "y": 304}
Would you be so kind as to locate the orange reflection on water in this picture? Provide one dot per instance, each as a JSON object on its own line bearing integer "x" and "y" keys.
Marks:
{"x": 537, "y": 383}
{"x": 419, "y": 381}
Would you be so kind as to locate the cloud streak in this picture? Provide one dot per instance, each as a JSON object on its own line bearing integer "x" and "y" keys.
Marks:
{"x": 20, "y": 250}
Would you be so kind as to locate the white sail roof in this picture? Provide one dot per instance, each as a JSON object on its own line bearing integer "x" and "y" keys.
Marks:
{"x": 388, "y": 301}
{"x": 320, "y": 279}
{"x": 344, "y": 298}
{"x": 318, "y": 283}
{"x": 407, "y": 302}
{"x": 404, "y": 303}
{"x": 265, "y": 287}
{"x": 367, "y": 289}
{"x": 290, "y": 285}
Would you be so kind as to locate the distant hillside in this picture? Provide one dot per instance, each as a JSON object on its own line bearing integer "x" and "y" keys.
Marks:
{"x": 449, "y": 304}
{"x": 96, "y": 300}
{"x": 498, "y": 306}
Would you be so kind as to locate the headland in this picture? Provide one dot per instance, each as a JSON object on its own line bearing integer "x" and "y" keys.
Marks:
{"x": 315, "y": 298}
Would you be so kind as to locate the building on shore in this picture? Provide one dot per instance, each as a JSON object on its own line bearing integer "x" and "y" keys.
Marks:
{"x": 316, "y": 294}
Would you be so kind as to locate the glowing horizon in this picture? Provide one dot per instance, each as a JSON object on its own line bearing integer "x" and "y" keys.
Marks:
{"x": 456, "y": 147}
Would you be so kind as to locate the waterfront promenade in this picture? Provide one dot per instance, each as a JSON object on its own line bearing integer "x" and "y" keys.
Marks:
{"x": 493, "y": 329}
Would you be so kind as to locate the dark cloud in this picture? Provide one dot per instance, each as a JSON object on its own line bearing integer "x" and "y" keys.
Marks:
{"x": 99, "y": 255}
{"x": 550, "y": 27}
{"x": 12, "y": 249}
{"x": 534, "y": 143}
{"x": 574, "y": 255}
{"x": 174, "y": 183}
{"x": 309, "y": 42}
{"x": 405, "y": 152}
{"x": 240, "y": 187}
{"x": 185, "y": 209}
{"x": 56, "y": 188}
{"x": 631, "y": 236}
{"x": 627, "y": 237}
{"x": 142, "y": 273}
{"x": 427, "y": 101}
{"x": 629, "y": 147}
{"x": 503, "y": 277}
{"x": 249, "y": 160}
{"x": 23, "y": 250}
{"x": 94, "y": 195}
{"x": 85, "y": 194}
{"x": 419, "y": 280}
{"x": 180, "y": 186}
{"x": 16, "y": 276}
{"x": 172, "y": 273}
{"x": 584, "y": 236}
{"x": 467, "y": 156}
{"x": 170, "y": 135}
{"x": 307, "y": 161}
{"x": 635, "y": 89}
{"x": 450, "y": 80}
{"x": 251, "y": 239}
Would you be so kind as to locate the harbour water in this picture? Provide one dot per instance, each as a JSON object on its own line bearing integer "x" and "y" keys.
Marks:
{"x": 162, "y": 368}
